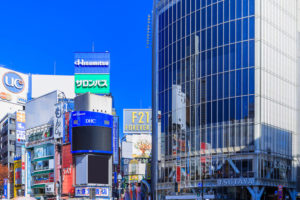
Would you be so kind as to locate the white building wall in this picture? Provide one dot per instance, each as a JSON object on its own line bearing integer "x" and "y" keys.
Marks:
{"x": 7, "y": 107}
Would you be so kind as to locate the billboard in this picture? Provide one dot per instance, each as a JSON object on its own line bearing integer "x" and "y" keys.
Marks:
{"x": 42, "y": 107}
{"x": 20, "y": 127}
{"x": 137, "y": 120}
{"x": 92, "y": 63}
{"x": 13, "y": 86}
{"x": 67, "y": 170}
{"x": 17, "y": 175}
{"x": 91, "y": 132}
{"x": 140, "y": 144}
{"x": 93, "y": 83}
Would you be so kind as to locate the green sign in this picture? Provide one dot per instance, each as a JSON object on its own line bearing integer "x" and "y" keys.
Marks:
{"x": 93, "y": 83}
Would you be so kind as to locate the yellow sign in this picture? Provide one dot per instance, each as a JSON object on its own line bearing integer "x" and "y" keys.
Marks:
{"x": 134, "y": 178}
{"x": 17, "y": 175}
{"x": 137, "y": 120}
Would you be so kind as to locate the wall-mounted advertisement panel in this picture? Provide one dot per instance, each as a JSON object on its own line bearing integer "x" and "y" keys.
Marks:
{"x": 141, "y": 145}
{"x": 67, "y": 170}
{"x": 92, "y": 63}
{"x": 13, "y": 86}
{"x": 93, "y": 83}
{"x": 137, "y": 120}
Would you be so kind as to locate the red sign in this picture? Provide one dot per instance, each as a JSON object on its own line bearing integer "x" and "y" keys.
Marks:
{"x": 67, "y": 130}
{"x": 67, "y": 170}
{"x": 178, "y": 174}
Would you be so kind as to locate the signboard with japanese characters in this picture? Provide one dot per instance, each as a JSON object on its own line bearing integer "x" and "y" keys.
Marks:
{"x": 93, "y": 83}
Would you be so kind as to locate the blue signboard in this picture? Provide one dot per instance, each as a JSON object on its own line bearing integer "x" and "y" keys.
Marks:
{"x": 28, "y": 163}
{"x": 20, "y": 133}
{"x": 87, "y": 118}
{"x": 92, "y": 63}
{"x": 5, "y": 188}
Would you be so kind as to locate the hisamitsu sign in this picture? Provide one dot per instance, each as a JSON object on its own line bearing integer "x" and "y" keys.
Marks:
{"x": 93, "y": 83}
{"x": 137, "y": 120}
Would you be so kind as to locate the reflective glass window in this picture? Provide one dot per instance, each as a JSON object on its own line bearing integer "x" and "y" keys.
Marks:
{"x": 220, "y": 12}
{"x": 226, "y": 110}
{"x": 202, "y": 61}
{"x": 232, "y": 9}
{"x": 238, "y": 108}
{"x": 215, "y": 36}
{"x": 214, "y": 138}
{"x": 214, "y": 87}
{"x": 220, "y": 86}
{"x": 178, "y": 10}
{"x": 226, "y": 33}
{"x": 220, "y": 137}
{"x": 226, "y": 10}
{"x": 203, "y": 40}
{"x": 183, "y": 8}
{"x": 214, "y": 112}
{"x": 245, "y": 54}
{"x": 226, "y": 58}
{"x": 183, "y": 49}
{"x": 208, "y": 39}
{"x": 183, "y": 27}
{"x": 251, "y": 27}
{"x": 208, "y": 113}
{"x": 232, "y": 31}
{"x": 198, "y": 4}
{"x": 193, "y": 5}
{"x": 238, "y": 91}
{"x": 232, "y": 109}
{"x": 208, "y": 88}
{"x": 238, "y": 30}
{"x": 178, "y": 29}
{"x": 214, "y": 61}
{"x": 251, "y": 80}
{"x": 198, "y": 20}
{"x": 209, "y": 16}
{"x": 188, "y": 25}
{"x": 232, "y": 83}
{"x": 245, "y": 107}
{"x": 193, "y": 24}
{"x": 251, "y": 7}
{"x": 251, "y": 53}
{"x": 220, "y": 59}
{"x": 220, "y": 35}
{"x": 208, "y": 62}
{"x": 232, "y": 56}
{"x": 238, "y": 8}
{"x": 203, "y": 18}
{"x": 174, "y": 13}
{"x": 215, "y": 14}
{"x": 238, "y": 58}
{"x": 245, "y": 29}
{"x": 245, "y": 8}
{"x": 226, "y": 84}
{"x": 188, "y": 6}
{"x": 245, "y": 81}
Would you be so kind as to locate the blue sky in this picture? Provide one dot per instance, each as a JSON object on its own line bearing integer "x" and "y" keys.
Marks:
{"x": 35, "y": 34}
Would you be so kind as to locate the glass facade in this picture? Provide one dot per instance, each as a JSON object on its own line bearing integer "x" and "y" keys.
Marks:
{"x": 206, "y": 95}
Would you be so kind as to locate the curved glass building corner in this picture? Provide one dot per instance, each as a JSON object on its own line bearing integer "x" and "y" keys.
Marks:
{"x": 209, "y": 90}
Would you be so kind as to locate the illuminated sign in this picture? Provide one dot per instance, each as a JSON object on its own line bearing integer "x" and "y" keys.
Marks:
{"x": 92, "y": 63}
{"x": 137, "y": 121}
{"x": 93, "y": 83}
{"x": 20, "y": 128}
{"x": 85, "y": 191}
{"x": 13, "y": 82}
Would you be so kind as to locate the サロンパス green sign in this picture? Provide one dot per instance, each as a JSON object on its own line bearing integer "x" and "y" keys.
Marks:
{"x": 93, "y": 83}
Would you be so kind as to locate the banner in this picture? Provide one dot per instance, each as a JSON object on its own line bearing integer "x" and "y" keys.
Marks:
{"x": 116, "y": 140}
{"x": 20, "y": 128}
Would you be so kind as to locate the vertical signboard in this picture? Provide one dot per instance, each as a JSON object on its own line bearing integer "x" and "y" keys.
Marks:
{"x": 58, "y": 121}
{"x": 17, "y": 174}
{"x": 66, "y": 138}
{"x": 28, "y": 165}
{"x": 67, "y": 171}
{"x": 5, "y": 188}
{"x": 23, "y": 158}
{"x": 115, "y": 140}
{"x": 20, "y": 127}
{"x": 137, "y": 121}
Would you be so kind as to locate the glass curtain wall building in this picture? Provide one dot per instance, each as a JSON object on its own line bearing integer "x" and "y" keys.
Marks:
{"x": 226, "y": 93}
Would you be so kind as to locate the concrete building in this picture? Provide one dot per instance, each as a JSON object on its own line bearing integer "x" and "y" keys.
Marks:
{"x": 226, "y": 83}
